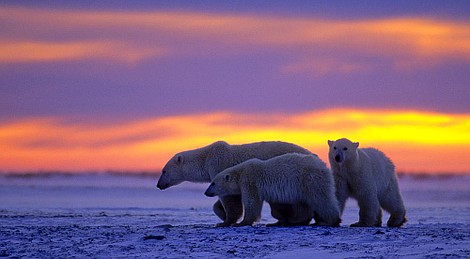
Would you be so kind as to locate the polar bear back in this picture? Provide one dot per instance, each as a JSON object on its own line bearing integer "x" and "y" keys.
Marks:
{"x": 287, "y": 178}
{"x": 223, "y": 155}
{"x": 265, "y": 150}
{"x": 373, "y": 161}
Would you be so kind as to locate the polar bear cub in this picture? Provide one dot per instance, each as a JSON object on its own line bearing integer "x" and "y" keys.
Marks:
{"x": 288, "y": 179}
{"x": 368, "y": 176}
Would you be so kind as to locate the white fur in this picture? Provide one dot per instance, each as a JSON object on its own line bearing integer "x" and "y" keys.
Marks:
{"x": 286, "y": 179}
{"x": 203, "y": 164}
{"x": 368, "y": 176}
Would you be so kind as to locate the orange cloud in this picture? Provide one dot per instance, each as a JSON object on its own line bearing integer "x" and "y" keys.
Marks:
{"x": 54, "y": 51}
{"x": 413, "y": 40}
{"x": 417, "y": 141}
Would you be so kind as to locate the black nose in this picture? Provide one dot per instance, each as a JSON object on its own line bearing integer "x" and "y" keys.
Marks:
{"x": 162, "y": 186}
{"x": 338, "y": 158}
{"x": 209, "y": 193}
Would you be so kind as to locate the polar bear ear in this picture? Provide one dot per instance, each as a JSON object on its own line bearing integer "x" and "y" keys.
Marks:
{"x": 356, "y": 144}
{"x": 330, "y": 142}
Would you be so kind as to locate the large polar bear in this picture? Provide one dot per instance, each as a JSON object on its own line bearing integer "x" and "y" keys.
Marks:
{"x": 203, "y": 164}
{"x": 367, "y": 175}
{"x": 289, "y": 179}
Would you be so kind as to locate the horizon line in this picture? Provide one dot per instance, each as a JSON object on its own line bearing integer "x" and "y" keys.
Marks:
{"x": 147, "y": 173}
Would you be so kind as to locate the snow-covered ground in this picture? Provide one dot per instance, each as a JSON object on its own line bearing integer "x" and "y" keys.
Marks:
{"x": 108, "y": 216}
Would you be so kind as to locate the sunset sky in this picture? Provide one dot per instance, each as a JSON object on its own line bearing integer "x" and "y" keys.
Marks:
{"x": 124, "y": 85}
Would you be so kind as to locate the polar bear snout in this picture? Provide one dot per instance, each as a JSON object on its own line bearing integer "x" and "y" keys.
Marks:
{"x": 339, "y": 157}
{"x": 210, "y": 192}
{"x": 162, "y": 186}
{"x": 162, "y": 183}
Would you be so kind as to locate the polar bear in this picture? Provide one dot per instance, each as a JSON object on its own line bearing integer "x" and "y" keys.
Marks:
{"x": 368, "y": 176}
{"x": 288, "y": 179}
{"x": 203, "y": 164}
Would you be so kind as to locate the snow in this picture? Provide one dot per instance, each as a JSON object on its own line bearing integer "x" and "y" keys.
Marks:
{"x": 103, "y": 216}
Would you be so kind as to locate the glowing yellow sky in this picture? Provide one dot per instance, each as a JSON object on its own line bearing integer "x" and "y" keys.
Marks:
{"x": 62, "y": 50}
{"x": 416, "y": 141}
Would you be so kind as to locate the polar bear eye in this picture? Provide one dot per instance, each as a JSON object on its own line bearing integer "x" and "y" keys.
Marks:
{"x": 345, "y": 148}
{"x": 227, "y": 177}
{"x": 334, "y": 148}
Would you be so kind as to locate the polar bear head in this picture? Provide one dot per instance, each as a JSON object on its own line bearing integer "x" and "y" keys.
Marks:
{"x": 194, "y": 165}
{"x": 225, "y": 183}
{"x": 184, "y": 166}
{"x": 342, "y": 150}
{"x": 172, "y": 172}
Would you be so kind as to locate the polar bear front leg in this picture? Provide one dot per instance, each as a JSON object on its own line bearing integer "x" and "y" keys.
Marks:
{"x": 219, "y": 210}
{"x": 369, "y": 208}
{"x": 253, "y": 206}
{"x": 233, "y": 208}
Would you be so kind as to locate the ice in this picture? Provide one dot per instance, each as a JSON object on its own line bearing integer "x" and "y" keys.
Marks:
{"x": 117, "y": 215}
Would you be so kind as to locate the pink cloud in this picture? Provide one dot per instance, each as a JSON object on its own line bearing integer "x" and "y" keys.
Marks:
{"x": 145, "y": 34}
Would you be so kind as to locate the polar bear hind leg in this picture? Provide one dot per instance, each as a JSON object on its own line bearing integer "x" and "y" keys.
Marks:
{"x": 393, "y": 204}
{"x": 298, "y": 214}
